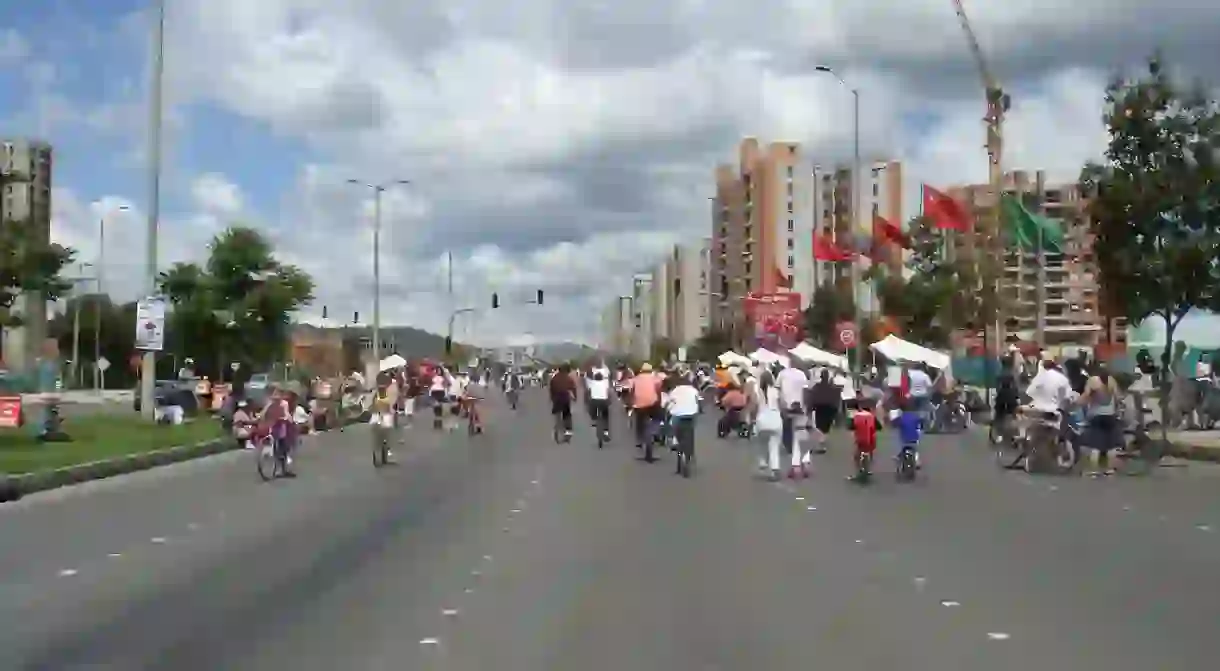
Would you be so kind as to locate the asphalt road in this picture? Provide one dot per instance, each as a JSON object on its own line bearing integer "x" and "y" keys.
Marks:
{"x": 509, "y": 552}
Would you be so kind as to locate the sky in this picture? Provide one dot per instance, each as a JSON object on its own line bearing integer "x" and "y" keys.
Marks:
{"x": 550, "y": 144}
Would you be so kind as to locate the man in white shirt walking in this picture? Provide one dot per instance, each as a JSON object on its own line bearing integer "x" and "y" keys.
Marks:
{"x": 792, "y": 383}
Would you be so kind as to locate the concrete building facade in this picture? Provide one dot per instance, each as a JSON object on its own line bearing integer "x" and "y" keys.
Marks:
{"x": 26, "y": 168}
{"x": 837, "y": 218}
{"x": 1064, "y": 296}
{"x": 688, "y": 300}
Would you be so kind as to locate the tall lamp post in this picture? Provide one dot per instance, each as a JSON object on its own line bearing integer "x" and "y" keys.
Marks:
{"x": 99, "y": 270}
{"x": 377, "y": 189}
{"x": 148, "y": 365}
{"x": 856, "y": 188}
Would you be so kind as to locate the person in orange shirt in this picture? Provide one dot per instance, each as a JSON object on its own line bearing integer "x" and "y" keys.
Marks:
{"x": 646, "y": 408}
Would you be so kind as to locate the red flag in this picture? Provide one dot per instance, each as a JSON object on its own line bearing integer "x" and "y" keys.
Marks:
{"x": 782, "y": 281}
{"x": 944, "y": 211}
{"x": 886, "y": 232}
{"x": 824, "y": 249}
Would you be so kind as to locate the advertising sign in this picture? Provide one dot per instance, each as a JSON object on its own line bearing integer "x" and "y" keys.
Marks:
{"x": 776, "y": 319}
{"x": 150, "y": 324}
{"x": 10, "y": 412}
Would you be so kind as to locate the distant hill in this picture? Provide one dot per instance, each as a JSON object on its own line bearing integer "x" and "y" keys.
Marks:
{"x": 406, "y": 340}
{"x": 564, "y": 351}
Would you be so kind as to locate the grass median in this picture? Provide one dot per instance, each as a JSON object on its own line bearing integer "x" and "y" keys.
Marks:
{"x": 97, "y": 437}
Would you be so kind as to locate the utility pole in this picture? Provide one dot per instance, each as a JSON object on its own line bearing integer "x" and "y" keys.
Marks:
{"x": 148, "y": 365}
{"x": 377, "y": 190}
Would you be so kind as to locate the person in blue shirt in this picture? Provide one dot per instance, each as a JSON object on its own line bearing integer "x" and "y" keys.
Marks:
{"x": 910, "y": 428}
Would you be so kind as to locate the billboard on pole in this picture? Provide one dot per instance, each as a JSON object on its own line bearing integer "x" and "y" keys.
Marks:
{"x": 775, "y": 318}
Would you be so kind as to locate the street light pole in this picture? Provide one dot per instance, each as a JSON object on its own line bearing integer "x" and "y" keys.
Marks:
{"x": 377, "y": 189}
{"x": 857, "y": 202}
{"x": 98, "y": 374}
{"x": 148, "y": 367}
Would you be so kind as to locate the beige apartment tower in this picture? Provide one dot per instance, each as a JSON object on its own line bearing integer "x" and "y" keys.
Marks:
{"x": 26, "y": 168}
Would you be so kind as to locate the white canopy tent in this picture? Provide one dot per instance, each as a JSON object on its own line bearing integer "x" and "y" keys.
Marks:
{"x": 810, "y": 354}
{"x": 731, "y": 358}
{"x": 766, "y": 356}
{"x": 897, "y": 349}
{"x": 391, "y": 362}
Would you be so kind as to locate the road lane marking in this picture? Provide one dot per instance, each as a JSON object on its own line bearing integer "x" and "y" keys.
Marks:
{"x": 811, "y": 507}
{"x": 476, "y": 573}
{"x": 487, "y": 558}
{"x": 429, "y": 641}
{"x": 449, "y": 612}
{"x": 858, "y": 541}
{"x": 468, "y": 590}
{"x": 515, "y": 511}
{"x": 997, "y": 636}
{"x": 950, "y": 604}
{"x": 1203, "y": 527}
{"x": 158, "y": 540}
{"x": 67, "y": 573}
{"x": 115, "y": 555}
{"x": 800, "y": 498}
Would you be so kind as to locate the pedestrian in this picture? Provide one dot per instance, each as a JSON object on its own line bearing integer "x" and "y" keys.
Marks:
{"x": 825, "y": 398}
{"x": 769, "y": 422}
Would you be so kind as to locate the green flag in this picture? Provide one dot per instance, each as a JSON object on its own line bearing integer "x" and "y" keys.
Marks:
{"x": 1030, "y": 230}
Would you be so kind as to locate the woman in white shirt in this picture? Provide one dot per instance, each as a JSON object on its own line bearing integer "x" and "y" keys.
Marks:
{"x": 682, "y": 404}
{"x": 436, "y": 391}
{"x": 769, "y": 422}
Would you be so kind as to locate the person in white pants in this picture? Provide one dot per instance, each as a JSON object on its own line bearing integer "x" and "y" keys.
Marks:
{"x": 769, "y": 422}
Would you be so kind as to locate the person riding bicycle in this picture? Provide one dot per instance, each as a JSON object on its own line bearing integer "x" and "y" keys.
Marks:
{"x": 562, "y": 389}
{"x": 864, "y": 426}
{"x": 277, "y": 420}
{"x": 646, "y": 405}
{"x": 382, "y": 415}
{"x": 512, "y": 388}
{"x": 910, "y": 429}
{"x": 1050, "y": 392}
{"x": 472, "y": 393}
{"x": 597, "y": 391}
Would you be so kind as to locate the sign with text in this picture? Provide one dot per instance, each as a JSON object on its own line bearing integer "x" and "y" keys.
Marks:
{"x": 776, "y": 318}
{"x": 10, "y": 412}
{"x": 150, "y": 324}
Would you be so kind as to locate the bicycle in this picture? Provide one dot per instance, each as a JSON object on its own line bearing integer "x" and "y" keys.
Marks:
{"x": 474, "y": 423}
{"x": 271, "y": 457}
{"x": 601, "y": 426}
{"x": 864, "y": 467}
{"x": 381, "y": 446}
{"x": 512, "y": 398}
{"x": 906, "y": 466}
{"x": 685, "y": 432}
{"x": 560, "y": 431}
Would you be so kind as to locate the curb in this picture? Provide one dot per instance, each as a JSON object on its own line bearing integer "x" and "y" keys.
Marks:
{"x": 31, "y": 483}
{"x": 1193, "y": 452}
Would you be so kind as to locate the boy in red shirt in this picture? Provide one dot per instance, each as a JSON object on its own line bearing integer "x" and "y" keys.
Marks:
{"x": 864, "y": 427}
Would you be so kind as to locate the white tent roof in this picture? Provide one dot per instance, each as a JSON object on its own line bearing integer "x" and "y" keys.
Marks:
{"x": 810, "y": 354}
{"x": 391, "y": 362}
{"x": 768, "y": 357}
{"x": 897, "y": 349}
{"x": 731, "y": 358}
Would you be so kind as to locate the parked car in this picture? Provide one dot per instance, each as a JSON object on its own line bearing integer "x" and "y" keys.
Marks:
{"x": 172, "y": 392}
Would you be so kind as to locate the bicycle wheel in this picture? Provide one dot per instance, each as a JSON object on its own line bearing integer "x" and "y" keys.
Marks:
{"x": 379, "y": 448}
{"x": 265, "y": 458}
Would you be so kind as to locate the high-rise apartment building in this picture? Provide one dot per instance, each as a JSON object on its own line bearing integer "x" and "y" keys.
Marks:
{"x": 688, "y": 287}
{"x": 641, "y": 316}
{"x": 837, "y": 218}
{"x": 25, "y": 200}
{"x": 1063, "y": 293}
{"x": 762, "y": 228}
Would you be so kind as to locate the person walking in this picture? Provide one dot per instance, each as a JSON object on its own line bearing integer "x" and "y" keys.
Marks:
{"x": 825, "y": 398}
{"x": 769, "y": 422}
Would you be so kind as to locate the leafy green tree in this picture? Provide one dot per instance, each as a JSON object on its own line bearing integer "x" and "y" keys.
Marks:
{"x": 829, "y": 305}
{"x": 237, "y": 306}
{"x": 117, "y": 324}
{"x": 936, "y": 297}
{"x": 711, "y": 345}
{"x": 27, "y": 263}
{"x": 1155, "y": 200}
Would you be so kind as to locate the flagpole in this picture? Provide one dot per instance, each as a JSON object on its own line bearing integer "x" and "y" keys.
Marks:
{"x": 1041, "y": 291}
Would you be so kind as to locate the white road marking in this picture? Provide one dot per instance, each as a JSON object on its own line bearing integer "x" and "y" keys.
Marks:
{"x": 68, "y": 572}
{"x": 950, "y": 604}
{"x": 505, "y": 530}
{"x": 449, "y": 612}
{"x": 920, "y": 581}
{"x": 811, "y": 507}
{"x": 1126, "y": 508}
{"x": 533, "y": 482}
{"x": 1203, "y": 527}
{"x": 468, "y": 590}
{"x": 858, "y": 541}
{"x": 429, "y": 641}
{"x": 158, "y": 540}
{"x": 476, "y": 573}
{"x": 486, "y": 557}
{"x": 1054, "y": 488}
{"x": 997, "y": 636}
{"x": 115, "y": 555}
{"x": 515, "y": 511}
{"x": 800, "y": 498}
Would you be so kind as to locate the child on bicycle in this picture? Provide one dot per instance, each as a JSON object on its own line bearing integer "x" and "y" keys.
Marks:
{"x": 864, "y": 427}
{"x": 909, "y": 423}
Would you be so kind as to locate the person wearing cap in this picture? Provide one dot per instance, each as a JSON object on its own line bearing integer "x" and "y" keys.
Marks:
{"x": 646, "y": 407}
{"x": 1050, "y": 389}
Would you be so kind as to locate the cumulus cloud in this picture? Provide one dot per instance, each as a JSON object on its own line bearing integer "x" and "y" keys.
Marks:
{"x": 563, "y": 144}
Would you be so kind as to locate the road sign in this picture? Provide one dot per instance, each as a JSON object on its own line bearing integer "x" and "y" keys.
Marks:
{"x": 682, "y": 355}
{"x": 235, "y": 366}
{"x": 847, "y": 334}
{"x": 103, "y": 364}
{"x": 150, "y": 324}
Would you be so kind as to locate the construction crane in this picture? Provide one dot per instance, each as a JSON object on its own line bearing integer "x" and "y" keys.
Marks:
{"x": 998, "y": 104}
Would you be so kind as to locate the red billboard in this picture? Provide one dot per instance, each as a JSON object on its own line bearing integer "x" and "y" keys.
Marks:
{"x": 776, "y": 319}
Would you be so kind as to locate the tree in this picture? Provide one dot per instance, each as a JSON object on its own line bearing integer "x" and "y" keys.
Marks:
{"x": 237, "y": 306}
{"x": 1155, "y": 200}
{"x": 711, "y": 345}
{"x": 27, "y": 262}
{"x": 117, "y": 327}
{"x": 829, "y": 305}
{"x": 663, "y": 349}
{"x": 936, "y": 297}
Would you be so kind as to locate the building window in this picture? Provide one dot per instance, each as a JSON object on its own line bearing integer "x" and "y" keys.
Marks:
{"x": 678, "y": 287}
{"x": 789, "y": 207}
{"x": 876, "y": 188}
{"x": 749, "y": 268}
{"x": 791, "y": 244}
{"x": 876, "y": 210}
{"x": 791, "y": 261}
{"x": 791, "y": 226}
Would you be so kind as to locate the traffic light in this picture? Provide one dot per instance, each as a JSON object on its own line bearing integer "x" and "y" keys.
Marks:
{"x": 323, "y": 312}
{"x": 540, "y": 297}
{"x": 448, "y": 345}
{"x": 355, "y": 317}
{"x": 495, "y": 301}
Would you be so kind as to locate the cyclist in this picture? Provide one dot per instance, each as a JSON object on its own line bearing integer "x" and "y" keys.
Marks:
{"x": 277, "y": 418}
{"x": 646, "y": 407}
{"x": 682, "y": 404}
{"x": 597, "y": 390}
{"x": 512, "y": 388}
{"x": 382, "y": 412}
{"x": 864, "y": 428}
{"x": 563, "y": 392}
{"x": 909, "y": 424}
{"x": 436, "y": 391}
{"x": 472, "y": 393}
